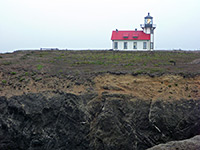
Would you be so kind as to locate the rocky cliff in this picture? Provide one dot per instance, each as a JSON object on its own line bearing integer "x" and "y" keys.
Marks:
{"x": 119, "y": 112}
{"x": 96, "y": 111}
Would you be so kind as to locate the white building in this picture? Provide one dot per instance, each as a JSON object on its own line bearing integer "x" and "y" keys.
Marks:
{"x": 135, "y": 40}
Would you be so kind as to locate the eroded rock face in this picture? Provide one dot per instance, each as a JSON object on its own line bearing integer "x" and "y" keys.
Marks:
{"x": 33, "y": 122}
{"x": 113, "y": 121}
{"x": 128, "y": 123}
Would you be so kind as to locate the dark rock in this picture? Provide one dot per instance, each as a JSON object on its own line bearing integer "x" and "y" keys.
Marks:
{"x": 32, "y": 122}
{"x": 124, "y": 123}
{"x": 176, "y": 120}
{"x": 111, "y": 122}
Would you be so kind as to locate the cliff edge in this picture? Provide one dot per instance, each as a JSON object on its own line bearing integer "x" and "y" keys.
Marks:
{"x": 98, "y": 100}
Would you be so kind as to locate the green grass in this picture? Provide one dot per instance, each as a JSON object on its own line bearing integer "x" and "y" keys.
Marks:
{"x": 68, "y": 62}
{"x": 145, "y": 58}
{"x": 39, "y": 67}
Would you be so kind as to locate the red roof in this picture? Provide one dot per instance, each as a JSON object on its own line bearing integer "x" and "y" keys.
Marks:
{"x": 130, "y": 35}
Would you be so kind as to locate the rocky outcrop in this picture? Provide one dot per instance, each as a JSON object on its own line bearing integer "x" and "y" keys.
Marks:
{"x": 124, "y": 122}
{"x": 189, "y": 144}
{"x": 58, "y": 121}
{"x": 33, "y": 122}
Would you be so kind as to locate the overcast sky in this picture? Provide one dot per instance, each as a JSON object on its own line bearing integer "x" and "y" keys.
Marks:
{"x": 88, "y": 24}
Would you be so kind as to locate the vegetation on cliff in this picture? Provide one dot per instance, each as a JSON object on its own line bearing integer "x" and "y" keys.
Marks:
{"x": 57, "y": 62}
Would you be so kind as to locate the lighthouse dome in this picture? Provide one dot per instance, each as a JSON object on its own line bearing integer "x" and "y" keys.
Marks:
{"x": 148, "y": 16}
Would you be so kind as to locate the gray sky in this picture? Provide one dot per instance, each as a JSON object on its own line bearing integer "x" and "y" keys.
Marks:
{"x": 88, "y": 24}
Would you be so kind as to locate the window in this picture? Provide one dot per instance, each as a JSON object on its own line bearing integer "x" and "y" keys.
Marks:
{"x": 151, "y": 45}
{"x": 125, "y": 45}
{"x": 135, "y": 45}
{"x": 135, "y": 36}
{"x": 125, "y": 35}
{"x": 115, "y": 45}
{"x": 144, "y": 45}
{"x": 148, "y": 21}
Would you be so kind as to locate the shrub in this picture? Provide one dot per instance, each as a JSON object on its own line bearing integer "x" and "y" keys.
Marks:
{"x": 173, "y": 62}
{"x": 4, "y": 81}
{"x": 7, "y": 63}
{"x": 156, "y": 65}
{"x": 13, "y": 73}
{"x": 21, "y": 79}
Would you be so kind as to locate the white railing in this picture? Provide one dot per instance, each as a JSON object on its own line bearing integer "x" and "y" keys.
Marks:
{"x": 143, "y": 25}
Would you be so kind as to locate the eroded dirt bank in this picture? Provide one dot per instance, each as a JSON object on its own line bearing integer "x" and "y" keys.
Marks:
{"x": 107, "y": 111}
{"x": 163, "y": 87}
{"x": 166, "y": 87}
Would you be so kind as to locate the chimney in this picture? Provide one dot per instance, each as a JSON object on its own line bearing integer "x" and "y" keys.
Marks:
{"x": 116, "y": 30}
{"x": 135, "y": 29}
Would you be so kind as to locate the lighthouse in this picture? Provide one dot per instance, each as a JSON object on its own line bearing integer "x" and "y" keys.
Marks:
{"x": 148, "y": 28}
{"x": 133, "y": 40}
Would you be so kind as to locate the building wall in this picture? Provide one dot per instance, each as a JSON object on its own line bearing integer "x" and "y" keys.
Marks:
{"x": 130, "y": 45}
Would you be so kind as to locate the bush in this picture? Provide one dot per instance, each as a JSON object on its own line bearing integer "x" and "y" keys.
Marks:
{"x": 7, "y": 63}
{"x": 4, "y": 81}
{"x": 21, "y": 79}
{"x": 13, "y": 73}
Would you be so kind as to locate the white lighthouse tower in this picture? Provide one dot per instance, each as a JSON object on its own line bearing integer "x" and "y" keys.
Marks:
{"x": 148, "y": 28}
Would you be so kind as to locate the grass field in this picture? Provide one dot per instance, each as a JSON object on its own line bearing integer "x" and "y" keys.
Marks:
{"x": 57, "y": 62}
